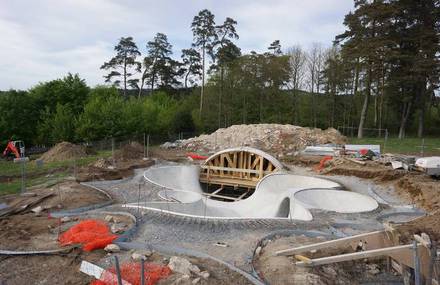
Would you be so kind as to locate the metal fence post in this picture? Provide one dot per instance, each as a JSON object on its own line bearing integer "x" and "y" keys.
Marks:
{"x": 139, "y": 197}
{"x": 385, "y": 141}
{"x": 118, "y": 271}
{"x": 144, "y": 146}
{"x": 148, "y": 145}
{"x": 74, "y": 167}
{"x": 23, "y": 176}
{"x": 113, "y": 151}
{"x": 142, "y": 272}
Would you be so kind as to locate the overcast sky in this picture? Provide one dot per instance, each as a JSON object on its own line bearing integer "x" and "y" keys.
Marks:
{"x": 45, "y": 39}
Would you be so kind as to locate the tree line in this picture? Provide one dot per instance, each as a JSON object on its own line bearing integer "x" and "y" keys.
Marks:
{"x": 382, "y": 72}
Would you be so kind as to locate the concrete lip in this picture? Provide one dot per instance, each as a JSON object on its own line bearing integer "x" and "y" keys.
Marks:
{"x": 279, "y": 195}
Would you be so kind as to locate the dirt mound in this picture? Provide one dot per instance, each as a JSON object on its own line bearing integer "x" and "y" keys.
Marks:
{"x": 64, "y": 151}
{"x": 133, "y": 150}
{"x": 273, "y": 138}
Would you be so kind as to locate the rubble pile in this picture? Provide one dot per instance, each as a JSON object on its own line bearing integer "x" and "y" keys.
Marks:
{"x": 273, "y": 138}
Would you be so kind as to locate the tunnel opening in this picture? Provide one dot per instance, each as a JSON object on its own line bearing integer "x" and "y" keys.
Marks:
{"x": 226, "y": 193}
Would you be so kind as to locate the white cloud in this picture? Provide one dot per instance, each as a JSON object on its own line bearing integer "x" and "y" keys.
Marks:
{"x": 45, "y": 39}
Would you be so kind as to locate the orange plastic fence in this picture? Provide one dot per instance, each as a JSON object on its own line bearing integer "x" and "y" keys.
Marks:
{"x": 321, "y": 164}
{"x": 196, "y": 156}
{"x": 92, "y": 234}
{"x": 131, "y": 273}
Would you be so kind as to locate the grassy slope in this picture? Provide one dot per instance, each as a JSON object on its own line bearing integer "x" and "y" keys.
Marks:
{"x": 49, "y": 172}
{"x": 405, "y": 146}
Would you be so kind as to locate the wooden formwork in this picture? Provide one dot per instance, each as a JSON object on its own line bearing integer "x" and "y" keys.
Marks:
{"x": 240, "y": 167}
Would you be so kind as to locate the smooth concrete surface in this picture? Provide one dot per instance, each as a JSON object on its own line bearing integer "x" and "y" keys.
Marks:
{"x": 277, "y": 196}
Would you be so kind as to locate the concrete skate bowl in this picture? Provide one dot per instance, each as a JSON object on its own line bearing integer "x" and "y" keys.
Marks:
{"x": 246, "y": 183}
{"x": 277, "y": 195}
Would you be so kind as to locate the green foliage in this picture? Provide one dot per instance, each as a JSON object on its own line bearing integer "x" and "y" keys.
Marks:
{"x": 102, "y": 117}
{"x": 18, "y": 113}
{"x": 70, "y": 90}
{"x": 58, "y": 126}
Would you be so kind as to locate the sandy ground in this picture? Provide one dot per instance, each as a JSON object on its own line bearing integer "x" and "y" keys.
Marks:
{"x": 28, "y": 230}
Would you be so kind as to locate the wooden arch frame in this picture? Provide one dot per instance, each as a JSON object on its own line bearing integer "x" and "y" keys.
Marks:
{"x": 238, "y": 167}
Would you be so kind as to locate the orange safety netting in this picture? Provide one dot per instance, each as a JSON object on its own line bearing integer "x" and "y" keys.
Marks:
{"x": 321, "y": 164}
{"x": 131, "y": 273}
{"x": 92, "y": 234}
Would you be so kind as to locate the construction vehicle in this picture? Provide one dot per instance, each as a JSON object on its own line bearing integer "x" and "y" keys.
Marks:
{"x": 14, "y": 150}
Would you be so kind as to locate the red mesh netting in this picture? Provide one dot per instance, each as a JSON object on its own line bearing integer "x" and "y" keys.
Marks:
{"x": 131, "y": 273}
{"x": 92, "y": 234}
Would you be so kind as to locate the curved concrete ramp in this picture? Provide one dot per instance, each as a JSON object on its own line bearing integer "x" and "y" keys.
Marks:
{"x": 336, "y": 201}
{"x": 277, "y": 196}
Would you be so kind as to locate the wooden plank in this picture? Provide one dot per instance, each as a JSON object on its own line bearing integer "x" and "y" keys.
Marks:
{"x": 242, "y": 195}
{"x": 233, "y": 169}
{"x": 303, "y": 258}
{"x": 356, "y": 255}
{"x": 234, "y": 160}
{"x": 261, "y": 170}
{"x": 256, "y": 160}
{"x": 233, "y": 181}
{"x": 269, "y": 166}
{"x": 331, "y": 243}
{"x": 220, "y": 196}
{"x": 217, "y": 191}
{"x": 228, "y": 158}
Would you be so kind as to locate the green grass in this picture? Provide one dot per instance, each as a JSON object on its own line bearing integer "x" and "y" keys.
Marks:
{"x": 405, "y": 146}
{"x": 14, "y": 186}
{"x": 48, "y": 173}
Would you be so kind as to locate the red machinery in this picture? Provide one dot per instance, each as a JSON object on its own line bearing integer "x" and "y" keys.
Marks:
{"x": 14, "y": 149}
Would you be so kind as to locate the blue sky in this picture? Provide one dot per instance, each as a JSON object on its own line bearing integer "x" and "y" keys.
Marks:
{"x": 44, "y": 39}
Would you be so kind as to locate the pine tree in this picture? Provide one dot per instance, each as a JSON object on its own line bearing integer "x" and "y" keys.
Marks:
{"x": 203, "y": 28}
{"x": 123, "y": 65}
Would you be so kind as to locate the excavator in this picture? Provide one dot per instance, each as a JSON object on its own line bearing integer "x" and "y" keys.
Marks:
{"x": 14, "y": 150}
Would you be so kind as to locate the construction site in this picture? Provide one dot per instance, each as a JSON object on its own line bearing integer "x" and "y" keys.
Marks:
{"x": 248, "y": 204}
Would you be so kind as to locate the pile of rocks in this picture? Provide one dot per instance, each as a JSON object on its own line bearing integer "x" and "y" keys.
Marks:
{"x": 273, "y": 138}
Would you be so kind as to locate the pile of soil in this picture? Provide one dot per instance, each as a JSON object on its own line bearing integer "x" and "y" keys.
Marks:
{"x": 64, "y": 151}
{"x": 123, "y": 169}
{"x": 427, "y": 224}
{"x": 372, "y": 170}
{"x": 273, "y": 138}
{"x": 133, "y": 150}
